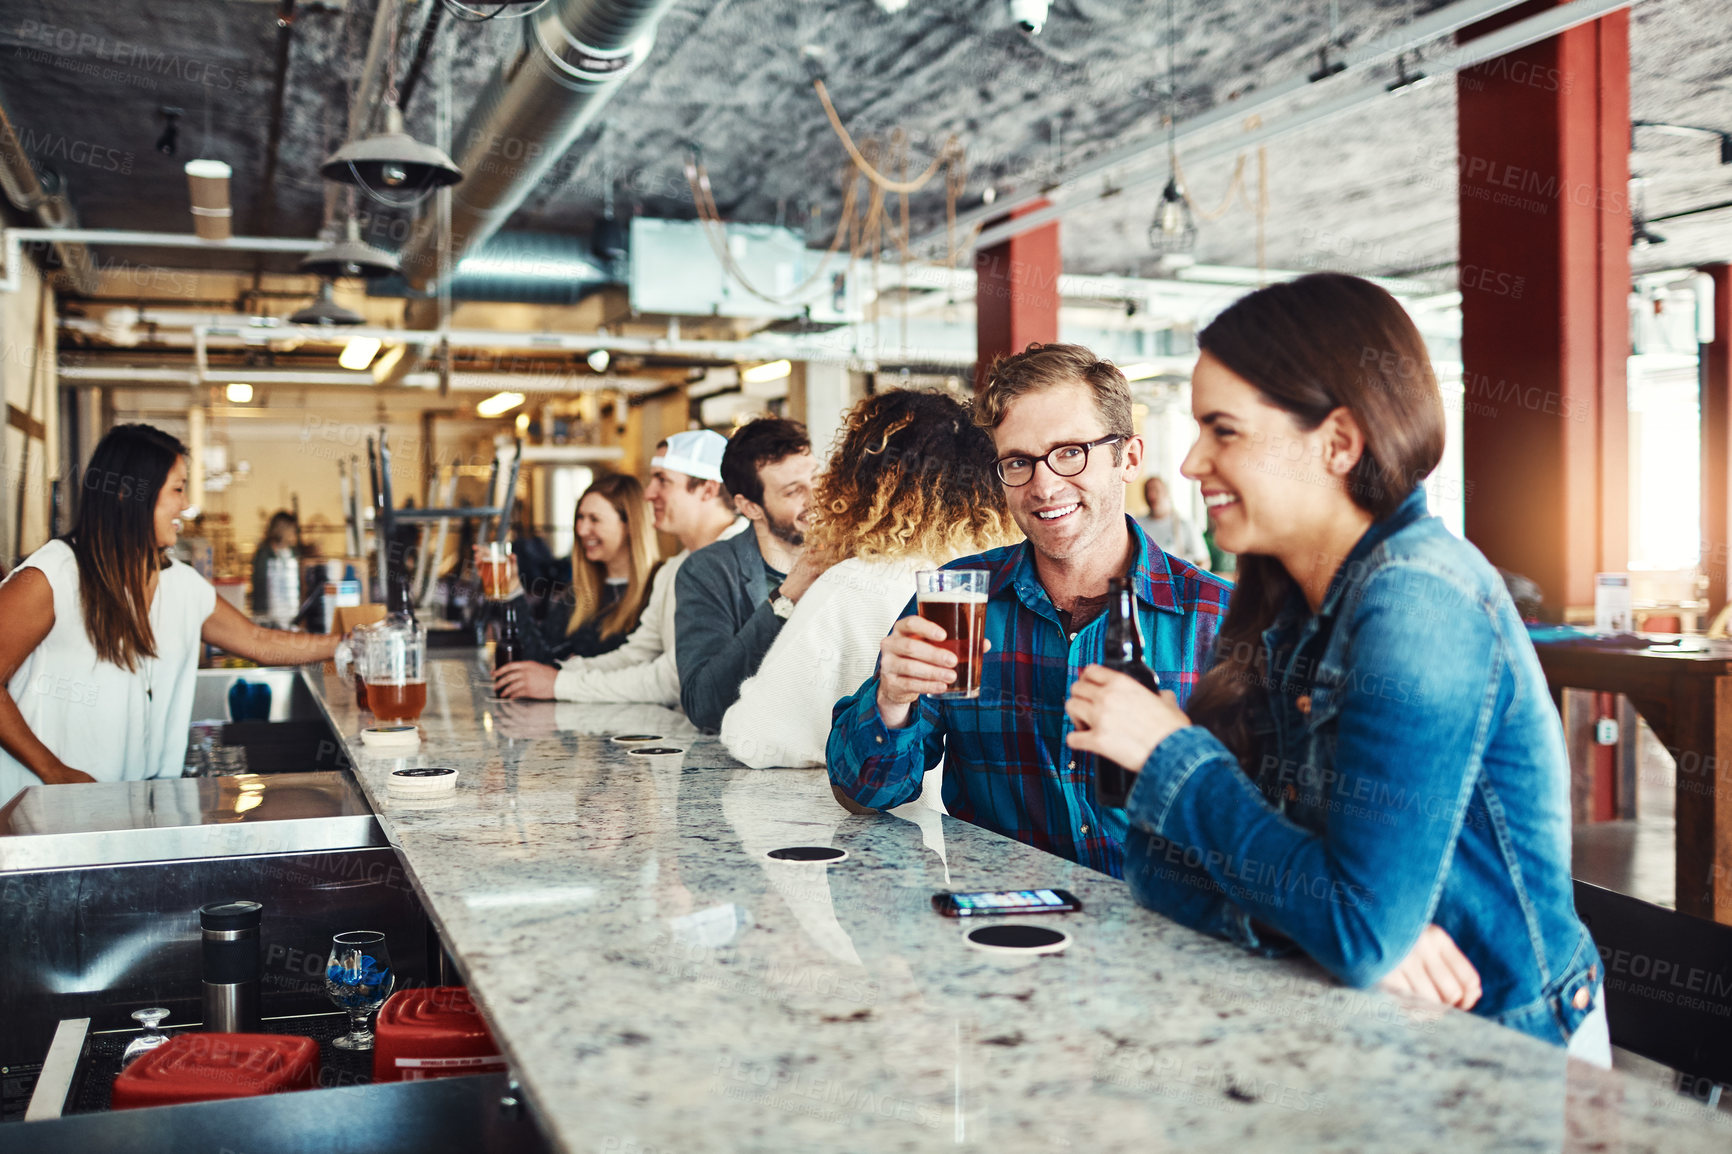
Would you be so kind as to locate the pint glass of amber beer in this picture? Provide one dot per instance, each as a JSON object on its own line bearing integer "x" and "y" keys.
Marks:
{"x": 498, "y": 569}
{"x": 955, "y": 601}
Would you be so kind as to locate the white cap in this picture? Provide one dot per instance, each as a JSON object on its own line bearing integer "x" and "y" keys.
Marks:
{"x": 696, "y": 453}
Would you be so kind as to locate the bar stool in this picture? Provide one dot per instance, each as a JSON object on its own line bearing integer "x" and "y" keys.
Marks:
{"x": 1668, "y": 983}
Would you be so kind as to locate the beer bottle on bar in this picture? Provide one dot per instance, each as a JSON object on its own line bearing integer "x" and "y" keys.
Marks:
{"x": 1123, "y": 653}
{"x": 510, "y": 646}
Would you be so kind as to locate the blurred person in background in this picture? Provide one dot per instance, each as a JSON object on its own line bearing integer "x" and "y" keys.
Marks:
{"x": 910, "y": 487}
{"x": 281, "y": 544}
{"x": 1166, "y": 528}
{"x": 735, "y": 595}
{"x": 99, "y": 654}
{"x": 613, "y": 558}
{"x": 685, "y": 493}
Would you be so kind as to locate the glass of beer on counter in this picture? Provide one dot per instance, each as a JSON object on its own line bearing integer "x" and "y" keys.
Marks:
{"x": 396, "y": 670}
{"x": 955, "y": 601}
{"x": 498, "y": 569}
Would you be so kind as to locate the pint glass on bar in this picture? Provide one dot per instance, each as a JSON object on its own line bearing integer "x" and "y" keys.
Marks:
{"x": 955, "y": 601}
{"x": 498, "y": 569}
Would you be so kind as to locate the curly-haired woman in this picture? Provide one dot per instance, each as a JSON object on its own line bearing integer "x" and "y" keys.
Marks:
{"x": 910, "y": 487}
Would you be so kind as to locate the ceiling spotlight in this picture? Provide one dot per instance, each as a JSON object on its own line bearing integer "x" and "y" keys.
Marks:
{"x": 326, "y": 311}
{"x": 350, "y": 256}
{"x": 359, "y": 353}
{"x": 392, "y": 167}
{"x": 170, "y": 138}
{"x": 1029, "y": 15}
{"x": 239, "y": 393}
{"x": 1641, "y": 236}
{"x": 499, "y": 404}
{"x": 599, "y": 360}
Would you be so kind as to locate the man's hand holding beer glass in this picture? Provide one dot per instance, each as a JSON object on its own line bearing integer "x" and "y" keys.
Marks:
{"x": 939, "y": 650}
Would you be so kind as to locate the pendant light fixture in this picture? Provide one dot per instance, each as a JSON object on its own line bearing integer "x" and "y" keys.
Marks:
{"x": 350, "y": 256}
{"x": 325, "y": 311}
{"x": 1174, "y": 229}
{"x": 392, "y": 167}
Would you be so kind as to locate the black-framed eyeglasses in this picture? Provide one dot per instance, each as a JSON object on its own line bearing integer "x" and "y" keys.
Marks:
{"x": 1063, "y": 460}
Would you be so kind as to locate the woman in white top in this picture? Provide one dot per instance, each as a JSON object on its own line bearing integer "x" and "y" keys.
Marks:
{"x": 910, "y": 487}
{"x": 100, "y": 651}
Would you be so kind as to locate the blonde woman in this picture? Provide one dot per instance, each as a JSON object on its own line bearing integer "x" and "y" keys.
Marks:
{"x": 910, "y": 487}
{"x": 613, "y": 557}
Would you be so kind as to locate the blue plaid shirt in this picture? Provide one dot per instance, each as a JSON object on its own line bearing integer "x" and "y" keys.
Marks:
{"x": 1006, "y": 765}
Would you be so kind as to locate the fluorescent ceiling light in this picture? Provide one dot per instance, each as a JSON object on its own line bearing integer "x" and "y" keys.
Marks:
{"x": 389, "y": 361}
{"x": 359, "y": 352}
{"x": 239, "y": 394}
{"x": 499, "y": 404}
{"x": 1140, "y": 372}
{"x": 769, "y": 371}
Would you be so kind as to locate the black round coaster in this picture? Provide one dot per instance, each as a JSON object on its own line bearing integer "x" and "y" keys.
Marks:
{"x": 635, "y": 738}
{"x": 823, "y": 854}
{"x": 655, "y": 750}
{"x": 1018, "y": 938}
{"x": 423, "y": 771}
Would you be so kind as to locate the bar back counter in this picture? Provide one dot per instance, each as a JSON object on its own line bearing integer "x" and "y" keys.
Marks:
{"x": 659, "y": 984}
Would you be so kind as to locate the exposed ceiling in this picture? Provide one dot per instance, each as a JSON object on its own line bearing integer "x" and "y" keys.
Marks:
{"x": 1371, "y": 192}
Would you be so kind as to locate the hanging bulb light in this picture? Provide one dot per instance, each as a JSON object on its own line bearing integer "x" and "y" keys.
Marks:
{"x": 350, "y": 256}
{"x": 326, "y": 311}
{"x": 1174, "y": 229}
{"x": 391, "y": 167}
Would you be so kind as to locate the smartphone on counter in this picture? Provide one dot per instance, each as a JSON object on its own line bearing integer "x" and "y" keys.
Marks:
{"x": 988, "y": 902}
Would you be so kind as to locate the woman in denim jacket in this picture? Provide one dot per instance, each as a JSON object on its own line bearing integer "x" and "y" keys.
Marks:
{"x": 1376, "y": 772}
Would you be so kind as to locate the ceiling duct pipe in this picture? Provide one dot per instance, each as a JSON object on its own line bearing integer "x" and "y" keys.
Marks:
{"x": 517, "y": 268}
{"x": 536, "y": 105}
{"x": 27, "y": 194}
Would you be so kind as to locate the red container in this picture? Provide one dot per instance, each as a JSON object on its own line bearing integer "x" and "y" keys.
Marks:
{"x": 432, "y": 1033}
{"x": 210, "y": 1067}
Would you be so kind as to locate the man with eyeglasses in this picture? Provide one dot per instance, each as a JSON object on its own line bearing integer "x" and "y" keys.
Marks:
{"x": 1060, "y": 418}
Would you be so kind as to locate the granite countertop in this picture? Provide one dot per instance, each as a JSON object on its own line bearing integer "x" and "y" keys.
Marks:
{"x": 661, "y": 987}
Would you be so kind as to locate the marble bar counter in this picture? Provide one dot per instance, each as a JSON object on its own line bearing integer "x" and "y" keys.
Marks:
{"x": 660, "y": 986}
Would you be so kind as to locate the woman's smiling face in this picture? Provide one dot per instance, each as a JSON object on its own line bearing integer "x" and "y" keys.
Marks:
{"x": 1261, "y": 473}
{"x": 170, "y": 504}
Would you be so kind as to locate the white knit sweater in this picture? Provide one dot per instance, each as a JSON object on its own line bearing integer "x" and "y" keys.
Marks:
{"x": 827, "y": 649}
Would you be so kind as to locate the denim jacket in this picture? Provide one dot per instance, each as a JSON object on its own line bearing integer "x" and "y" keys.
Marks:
{"x": 1410, "y": 770}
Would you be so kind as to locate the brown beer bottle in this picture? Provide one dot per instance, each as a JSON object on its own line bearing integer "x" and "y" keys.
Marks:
{"x": 1123, "y": 653}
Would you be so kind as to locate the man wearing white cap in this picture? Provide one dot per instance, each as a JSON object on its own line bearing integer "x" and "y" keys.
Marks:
{"x": 685, "y": 492}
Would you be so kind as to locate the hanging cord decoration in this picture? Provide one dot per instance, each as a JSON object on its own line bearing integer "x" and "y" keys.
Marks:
{"x": 714, "y": 227}
{"x": 945, "y": 154}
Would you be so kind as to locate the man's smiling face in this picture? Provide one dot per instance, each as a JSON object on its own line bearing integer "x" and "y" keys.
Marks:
{"x": 1063, "y": 517}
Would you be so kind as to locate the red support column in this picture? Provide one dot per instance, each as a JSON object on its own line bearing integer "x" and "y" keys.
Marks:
{"x": 1716, "y": 399}
{"x": 1016, "y": 293}
{"x": 1544, "y": 136}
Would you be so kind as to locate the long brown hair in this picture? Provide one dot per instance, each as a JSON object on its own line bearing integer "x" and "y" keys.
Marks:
{"x": 588, "y": 578}
{"x": 912, "y": 476}
{"x": 114, "y": 539}
{"x": 1311, "y": 346}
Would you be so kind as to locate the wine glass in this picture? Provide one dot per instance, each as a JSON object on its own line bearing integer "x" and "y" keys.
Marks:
{"x": 358, "y": 978}
{"x": 151, "y": 1038}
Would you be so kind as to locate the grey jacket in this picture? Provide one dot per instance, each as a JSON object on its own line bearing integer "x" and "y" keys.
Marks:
{"x": 724, "y": 624}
